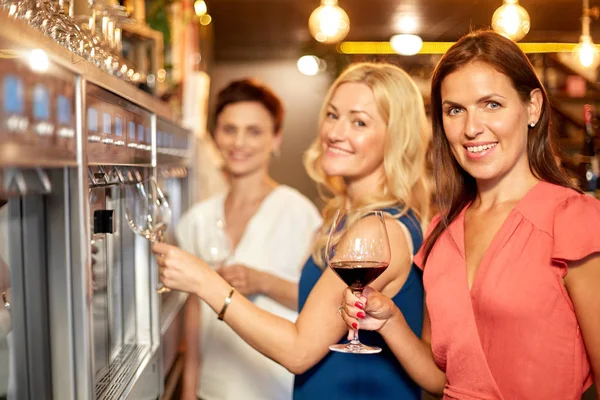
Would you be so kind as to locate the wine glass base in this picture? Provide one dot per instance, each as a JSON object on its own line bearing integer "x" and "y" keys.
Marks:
{"x": 355, "y": 348}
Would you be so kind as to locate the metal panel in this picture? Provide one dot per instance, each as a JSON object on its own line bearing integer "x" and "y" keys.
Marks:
{"x": 115, "y": 273}
{"x": 128, "y": 239}
{"x": 59, "y": 287}
{"x": 18, "y": 306}
{"x": 80, "y": 260}
{"x": 147, "y": 383}
{"x": 36, "y": 293}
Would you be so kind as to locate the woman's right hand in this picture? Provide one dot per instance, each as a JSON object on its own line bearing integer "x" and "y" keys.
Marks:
{"x": 370, "y": 311}
{"x": 180, "y": 270}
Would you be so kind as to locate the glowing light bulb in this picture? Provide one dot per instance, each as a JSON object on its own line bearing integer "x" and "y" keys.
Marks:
{"x": 200, "y": 7}
{"x": 38, "y": 60}
{"x": 329, "y": 23}
{"x": 511, "y": 20}
{"x": 586, "y": 53}
{"x": 406, "y": 44}
{"x": 308, "y": 65}
{"x": 406, "y": 23}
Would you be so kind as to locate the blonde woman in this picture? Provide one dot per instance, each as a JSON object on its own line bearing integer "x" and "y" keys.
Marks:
{"x": 370, "y": 153}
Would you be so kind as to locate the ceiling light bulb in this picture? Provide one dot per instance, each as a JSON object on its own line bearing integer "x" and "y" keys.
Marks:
{"x": 586, "y": 53}
{"x": 200, "y": 7}
{"x": 308, "y": 65}
{"x": 406, "y": 23}
{"x": 328, "y": 23}
{"x": 406, "y": 44}
{"x": 511, "y": 20}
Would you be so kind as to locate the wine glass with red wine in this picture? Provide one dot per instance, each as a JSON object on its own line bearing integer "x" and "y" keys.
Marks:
{"x": 358, "y": 251}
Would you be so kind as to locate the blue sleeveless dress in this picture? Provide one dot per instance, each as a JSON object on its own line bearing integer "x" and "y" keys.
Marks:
{"x": 359, "y": 376}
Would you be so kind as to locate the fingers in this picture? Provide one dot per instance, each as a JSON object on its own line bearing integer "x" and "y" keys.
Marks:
{"x": 368, "y": 291}
{"x": 160, "y": 248}
{"x": 352, "y": 306}
{"x": 350, "y": 321}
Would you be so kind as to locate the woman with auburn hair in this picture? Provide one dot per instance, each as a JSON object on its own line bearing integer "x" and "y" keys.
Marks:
{"x": 256, "y": 234}
{"x": 512, "y": 263}
{"x": 370, "y": 153}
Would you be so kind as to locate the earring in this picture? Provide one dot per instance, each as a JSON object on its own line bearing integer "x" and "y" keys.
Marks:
{"x": 532, "y": 124}
{"x": 276, "y": 153}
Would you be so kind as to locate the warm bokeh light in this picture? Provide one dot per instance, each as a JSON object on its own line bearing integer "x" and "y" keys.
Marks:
{"x": 308, "y": 65}
{"x": 586, "y": 53}
{"x": 406, "y": 23}
{"x": 329, "y": 23}
{"x": 38, "y": 60}
{"x": 200, "y": 8}
{"x": 205, "y": 19}
{"x": 511, "y": 20}
{"x": 406, "y": 44}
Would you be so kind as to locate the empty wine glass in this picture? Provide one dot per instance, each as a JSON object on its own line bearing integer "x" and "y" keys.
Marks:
{"x": 147, "y": 212}
{"x": 137, "y": 214}
{"x": 358, "y": 251}
{"x": 160, "y": 217}
{"x": 214, "y": 246}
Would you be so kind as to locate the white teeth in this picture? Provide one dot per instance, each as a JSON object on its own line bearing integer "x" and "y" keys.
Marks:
{"x": 338, "y": 151}
{"x": 479, "y": 149}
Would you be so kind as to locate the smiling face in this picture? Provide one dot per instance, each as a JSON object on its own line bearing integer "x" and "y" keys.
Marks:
{"x": 486, "y": 121}
{"x": 245, "y": 136}
{"x": 353, "y": 134}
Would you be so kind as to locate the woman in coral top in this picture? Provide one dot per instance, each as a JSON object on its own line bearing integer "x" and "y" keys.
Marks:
{"x": 512, "y": 263}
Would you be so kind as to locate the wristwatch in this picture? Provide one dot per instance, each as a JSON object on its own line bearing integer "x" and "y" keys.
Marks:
{"x": 6, "y": 303}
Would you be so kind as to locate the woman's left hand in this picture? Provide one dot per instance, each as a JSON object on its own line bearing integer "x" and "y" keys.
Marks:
{"x": 180, "y": 270}
{"x": 245, "y": 280}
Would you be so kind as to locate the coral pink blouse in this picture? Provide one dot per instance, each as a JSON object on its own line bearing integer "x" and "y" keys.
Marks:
{"x": 514, "y": 335}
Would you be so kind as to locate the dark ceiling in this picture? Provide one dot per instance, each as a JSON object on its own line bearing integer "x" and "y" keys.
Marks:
{"x": 269, "y": 29}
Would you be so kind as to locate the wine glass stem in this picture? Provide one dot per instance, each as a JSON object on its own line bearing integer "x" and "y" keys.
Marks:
{"x": 355, "y": 340}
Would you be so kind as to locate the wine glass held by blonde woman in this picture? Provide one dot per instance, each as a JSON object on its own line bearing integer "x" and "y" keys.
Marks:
{"x": 256, "y": 236}
{"x": 369, "y": 153}
{"x": 512, "y": 263}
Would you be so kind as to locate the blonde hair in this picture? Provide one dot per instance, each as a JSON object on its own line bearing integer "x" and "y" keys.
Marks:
{"x": 406, "y": 184}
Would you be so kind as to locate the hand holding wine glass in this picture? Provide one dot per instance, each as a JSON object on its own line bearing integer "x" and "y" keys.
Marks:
{"x": 147, "y": 212}
{"x": 358, "y": 251}
{"x": 161, "y": 215}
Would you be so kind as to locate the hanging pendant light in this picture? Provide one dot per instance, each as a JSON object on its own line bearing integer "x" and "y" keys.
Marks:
{"x": 329, "y": 23}
{"x": 511, "y": 20}
{"x": 586, "y": 52}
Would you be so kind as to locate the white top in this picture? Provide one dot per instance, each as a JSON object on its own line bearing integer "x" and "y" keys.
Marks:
{"x": 278, "y": 240}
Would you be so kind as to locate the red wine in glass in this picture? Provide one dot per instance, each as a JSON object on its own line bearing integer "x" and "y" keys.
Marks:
{"x": 358, "y": 251}
{"x": 358, "y": 274}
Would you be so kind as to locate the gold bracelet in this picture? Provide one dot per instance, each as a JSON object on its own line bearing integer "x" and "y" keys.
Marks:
{"x": 226, "y": 304}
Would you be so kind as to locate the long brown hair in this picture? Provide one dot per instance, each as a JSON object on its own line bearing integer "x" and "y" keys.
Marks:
{"x": 454, "y": 186}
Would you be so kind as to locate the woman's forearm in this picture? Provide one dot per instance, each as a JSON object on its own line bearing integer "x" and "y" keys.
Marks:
{"x": 280, "y": 290}
{"x": 414, "y": 354}
{"x": 273, "y": 336}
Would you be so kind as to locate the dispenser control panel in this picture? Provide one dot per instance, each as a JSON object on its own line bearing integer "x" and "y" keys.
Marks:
{"x": 117, "y": 131}
{"x": 173, "y": 143}
{"x": 37, "y": 113}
